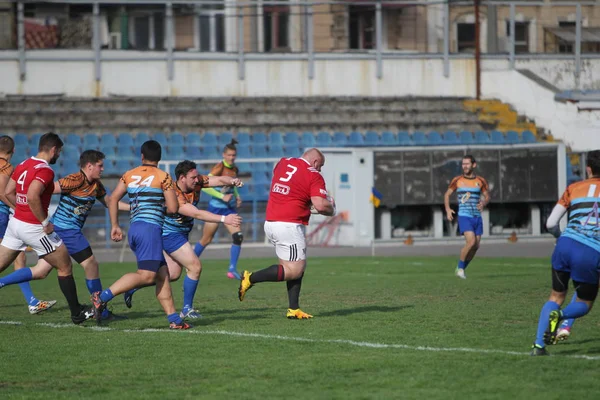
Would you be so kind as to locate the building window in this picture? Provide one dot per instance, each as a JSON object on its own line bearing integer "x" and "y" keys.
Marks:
{"x": 564, "y": 46}
{"x": 465, "y": 33}
{"x": 148, "y": 32}
{"x": 361, "y": 27}
{"x": 210, "y": 24}
{"x": 521, "y": 36}
{"x": 276, "y": 28}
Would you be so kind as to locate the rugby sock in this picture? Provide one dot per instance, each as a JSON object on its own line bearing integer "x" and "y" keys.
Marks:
{"x": 568, "y": 323}
{"x": 20, "y": 275}
{"x": 69, "y": 290}
{"x": 461, "y": 264}
{"x": 93, "y": 285}
{"x": 198, "y": 249}
{"x": 466, "y": 263}
{"x": 174, "y": 318}
{"x": 27, "y": 293}
{"x": 107, "y": 295}
{"x": 274, "y": 273}
{"x": 293, "y": 288}
{"x": 234, "y": 255}
{"x": 575, "y": 310}
{"x": 543, "y": 322}
{"x": 189, "y": 291}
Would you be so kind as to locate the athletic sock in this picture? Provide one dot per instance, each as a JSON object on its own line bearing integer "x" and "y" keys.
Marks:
{"x": 293, "y": 288}
{"x": 274, "y": 273}
{"x": 189, "y": 291}
{"x": 543, "y": 322}
{"x": 69, "y": 290}
{"x": 27, "y": 293}
{"x": 234, "y": 255}
{"x": 19, "y": 276}
{"x": 198, "y": 249}
{"x": 93, "y": 285}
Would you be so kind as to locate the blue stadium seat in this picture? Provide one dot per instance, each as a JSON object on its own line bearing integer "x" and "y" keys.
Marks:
{"x": 70, "y": 150}
{"x": 513, "y": 137}
{"x": 356, "y": 139}
{"x": 275, "y": 139}
{"x": 261, "y": 192}
{"x": 434, "y": 138}
{"x": 324, "y": 139}
{"x": 419, "y": 139}
{"x": 21, "y": 139}
{"x": 340, "y": 139}
{"x": 244, "y": 167}
{"x": 224, "y": 138}
{"x": 125, "y": 139}
{"x": 69, "y": 168}
{"x": 276, "y": 151}
{"x": 176, "y": 139}
{"x": 466, "y": 137}
{"x": 173, "y": 153}
{"x": 211, "y": 153}
{"x": 308, "y": 139}
{"x": 108, "y": 139}
{"x": 259, "y": 150}
{"x": 34, "y": 140}
{"x": 209, "y": 139}
{"x": 404, "y": 139}
{"x": 260, "y": 167}
{"x": 73, "y": 139}
{"x": 259, "y": 138}
{"x": 21, "y": 154}
{"x": 497, "y": 137}
{"x": 243, "y": 138}
{"x": 140, "y": 138}
{"x": 388, "y": 139}
{"x": 193, "y": 139}
{"x": 291, "y": 139}
{"x": 109, "y": 151}
{"x": 259, "y": 177}
{"x": 371, "y": 139}
{"x": 161, "y": 138}
{"x": 123, "y": 165}
{"x": 110, "y": 169}
{"x": 450, "y": 138}
{"x": 193, "y": 153}
{"x": 243, "y": 151}
{"x": 91, "y": 141}
{"x": 482, "y": 137}
{"x": 528, "y": 137}
{"x": 292, "y": 151}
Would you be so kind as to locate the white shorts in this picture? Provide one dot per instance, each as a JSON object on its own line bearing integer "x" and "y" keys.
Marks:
{"x": 21, "y": 234}
{"x": 288, "y": 238}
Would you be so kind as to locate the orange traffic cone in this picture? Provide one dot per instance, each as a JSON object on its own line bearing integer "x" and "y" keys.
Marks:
{"x": 409, "y": 240}
{"x": 513, "y": 237}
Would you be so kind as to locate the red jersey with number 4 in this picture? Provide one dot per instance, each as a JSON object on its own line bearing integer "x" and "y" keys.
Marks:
{"x": 25, "y": 173}
{"x": 294, "y": 182}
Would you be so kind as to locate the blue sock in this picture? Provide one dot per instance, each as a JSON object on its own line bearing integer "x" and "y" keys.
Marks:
{"x": 28, "y": 294}
{"x": 234, "y": 255}
{"x": 189, "y": 291}
{"x": 198, "y": 249}
{"x": 575, "y": 310}
{"x": 461, "y": 264}
{"x": 19, "y": 276}
{"x": 543, "y": 322}
{"x": 467, "y": 264}
{"x": 93, "y": 285}
{"x": 174, "y": 318}
{"x": 107, "y": 295}
{"x": 568, "y": 323}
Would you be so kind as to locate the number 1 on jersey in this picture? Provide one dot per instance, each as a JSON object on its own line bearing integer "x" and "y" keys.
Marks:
{"x": 289, "y": 173}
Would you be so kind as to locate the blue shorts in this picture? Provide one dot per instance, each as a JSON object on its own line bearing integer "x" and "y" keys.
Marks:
{"x": 581, "y": 261}
{"x": 221, "y": 211}
{"x": 470, "y": 224}
{"x": 174, "y": 241}
{"x": 73, "y": 239}
{"x": 145, "y": 241}
{"x": 3, "y": 224}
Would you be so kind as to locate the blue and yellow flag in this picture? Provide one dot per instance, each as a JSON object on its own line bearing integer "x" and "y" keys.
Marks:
{"x": 376, "y": 197}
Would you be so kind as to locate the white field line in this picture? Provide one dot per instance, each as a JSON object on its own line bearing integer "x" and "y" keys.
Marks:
{"x": 305, "y": 340}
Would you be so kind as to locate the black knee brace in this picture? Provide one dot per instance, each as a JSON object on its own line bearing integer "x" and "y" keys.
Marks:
{"x": 237, "y": 238}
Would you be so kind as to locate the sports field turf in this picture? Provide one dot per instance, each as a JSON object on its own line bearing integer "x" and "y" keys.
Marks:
{"x": 383, "y": 328}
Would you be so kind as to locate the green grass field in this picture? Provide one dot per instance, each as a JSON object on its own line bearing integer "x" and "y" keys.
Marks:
{"x": 383, "y": 328}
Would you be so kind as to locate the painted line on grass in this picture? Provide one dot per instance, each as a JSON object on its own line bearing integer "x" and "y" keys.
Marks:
{"x": 301, "y": 339}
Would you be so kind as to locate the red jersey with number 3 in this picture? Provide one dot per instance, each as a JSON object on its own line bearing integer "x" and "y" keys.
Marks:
{"x": 294, "y": 182}
{"x": 25, "y": 173}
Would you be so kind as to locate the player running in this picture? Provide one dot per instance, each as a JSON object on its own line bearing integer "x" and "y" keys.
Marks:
{"x": 473, "y": 196}
{"x": 296, "y": 185}
{"x": 30, "y": 189}
{"x": 576, "y": 255}
{"x": 177, "y": 227}
{"x": 224, "y": 201}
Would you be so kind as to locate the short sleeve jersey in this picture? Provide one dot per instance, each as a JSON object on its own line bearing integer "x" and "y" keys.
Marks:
{"x": 220, "y": 169}
{"x": 78, "y": 196}
{"x": 177, "y": 223}
{"x": 32, "y": 169}
{"x": 294, "y": 182}
{"x": 581, "y": 200}
{"x": 6, "y": 169}
{"x": 469, "y": 191}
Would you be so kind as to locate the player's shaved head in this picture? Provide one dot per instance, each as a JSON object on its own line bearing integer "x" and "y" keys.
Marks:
{"x": 314, "y": 158}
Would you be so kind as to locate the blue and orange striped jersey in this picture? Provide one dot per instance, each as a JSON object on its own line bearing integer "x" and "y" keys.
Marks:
{"x": 469, "y": 191}
{"x": 220, "y": 169}
{"x": 581, "y": 201}
{"x": 77, "y": 198}
{"x": 177, "y": 223}
{"x": 146, "y": 185}
{"x": 6, "y": 169}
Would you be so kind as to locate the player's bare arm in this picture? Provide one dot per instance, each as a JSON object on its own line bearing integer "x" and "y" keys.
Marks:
{"x": 171, "y": 201}
{"x": 113, "y": 211}
{"x": 449, "y": 211}
{"x": 224, "y": 181}
{"x": 122, "y": 205}
{"x": 189, "y": 210}
{"x": 485, "y": 199}
{"x": 10, "y": 193}
{"x": 34, "y": 200}
{"x": 57, "y": 188}
{"x": 323, "y": 206}
{"x": 3, "y": 198}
